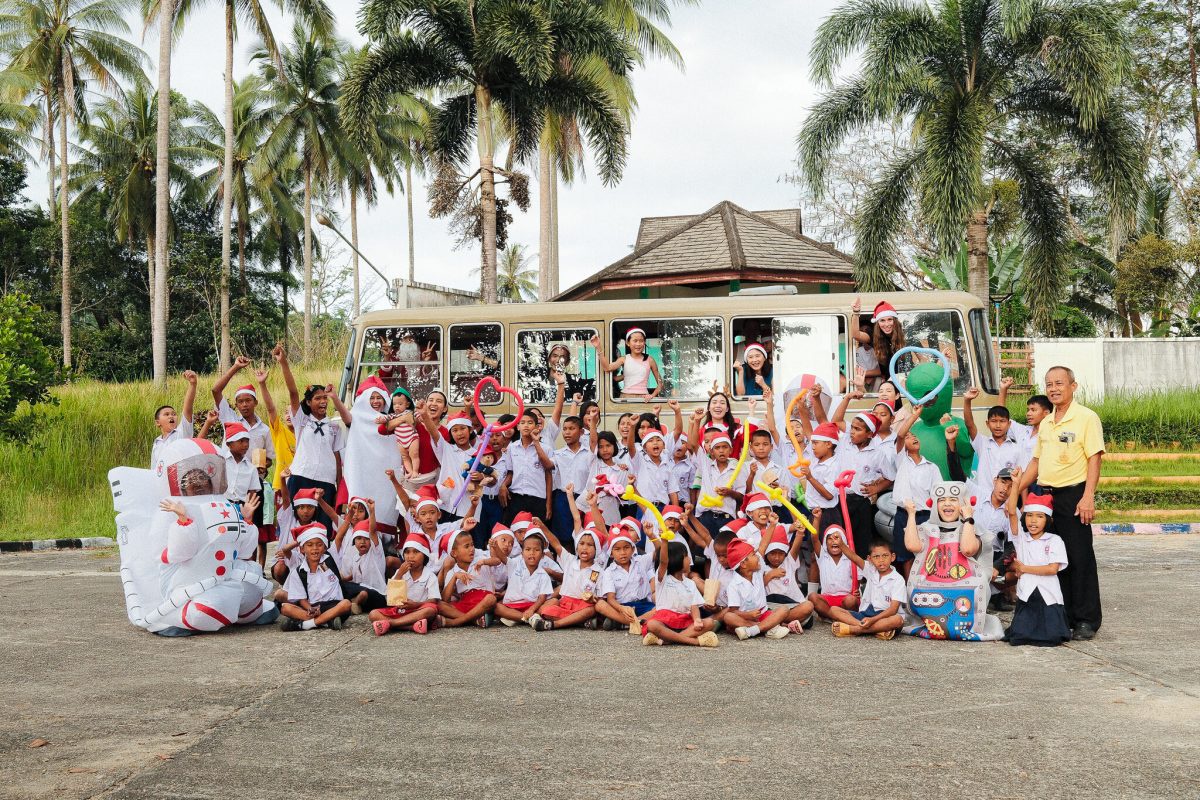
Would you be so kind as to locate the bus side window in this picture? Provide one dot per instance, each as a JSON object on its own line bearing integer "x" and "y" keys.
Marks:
{"x": 749, "y": 331}
{"x": 689, "y": 352}
{"x": 541, "y": 353}
{"x": 404, "y": 356}
{"x": 942, "y": 331}
{"x": 475, "y": 353}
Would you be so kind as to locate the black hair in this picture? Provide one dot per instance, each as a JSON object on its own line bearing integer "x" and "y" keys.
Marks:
{"x": 629, "y": 350}
{"x": 1050, "y": 527}
{"x": 644, "y": 417}
{"x": 877, "y": 543}
{"x": 899, "y": 401}
{"x": 676, "y": 555}
{"x": 504, "y": 419}
{"x": 723, "y": 538}
{"x": 422, "y": 555}
{"x": 587, "y": 406}
{"x": 761, "y": 433}
{"x": 573, "y": 420}
{"x": 607, "y": 436}
{"x": 728, "y": 420}
{"x": 1040, "y": 400}
{"x": 537, "y": 536}
{"x": 309, "y": 393}
{"x": 621, "y": 418}
{"x": 159, "y": 410}
{"x": 999, "y": 411}
{"x": 445, "y": 401}
{"x": 529, "y": 412}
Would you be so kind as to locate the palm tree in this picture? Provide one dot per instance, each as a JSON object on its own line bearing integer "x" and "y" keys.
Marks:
{"x": 316, "y": 15}
{"x": 67, "y": 46}
{"x": 305, "y": 120}
{"x": 16, "y": 118}
{"x": 489, "y": 58}
{"x": 119, "y": 160}
{"x": 159, "y": 294}
{"x": 981, "y": 83}
{"x": 516, "y": 280}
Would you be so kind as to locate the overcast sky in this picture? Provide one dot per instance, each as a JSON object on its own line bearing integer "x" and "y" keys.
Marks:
{"x": 722, "y": 129}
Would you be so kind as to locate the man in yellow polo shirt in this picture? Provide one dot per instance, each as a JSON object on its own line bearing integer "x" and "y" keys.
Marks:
{"x": 1066, "y": 464}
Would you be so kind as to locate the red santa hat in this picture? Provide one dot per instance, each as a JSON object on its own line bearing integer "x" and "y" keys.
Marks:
{"x": 235, "y": 432}
{"x": 362, "y": 529}
{"x": 305, "y": 497}
{"x": 888, "y": 404}
{"x": 735, "y": 526}
{"x": 630, "y": 524}
{"x": 313, "y": 530}
{"x": 1036, "y": 502}
{"x": 779, "y": 540}
{"x": 619, "y": 533}
{"x": 426, "y": 496}
{"x": 500, "y": 529}
{"x": 443, "y": 542}
{"x": 372, "y": 382}
{"x": 868, "y": 419}
{"x": 672, "y": 512}
{"x": 653, "y": 434}
{"x": 720, "y": 438}
{"x": 755, "y": 346}
{"x": 737, "y": 552}
{"x": 883, "y": 310}
{"x": 459, "y": 419}
{"x": 834, "y": 529}
{"x": 632, "y": 331}
{"x": 247, "y": 389}
{"x": 827, "y": 432}
{"x": 755, "y": 501}
{"x": 521, "y": 521}
{"x": 360, "y": 501}
{"x": 418, "y": 542}
{"x": 588, "y": 520}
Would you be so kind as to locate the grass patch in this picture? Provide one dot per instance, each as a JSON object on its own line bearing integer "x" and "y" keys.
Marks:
{"x": 1152, "y": 420}
{"x": 1147, "y": 496}
{"x": 1150, "y": 469}
{"x": 54, "y": 483}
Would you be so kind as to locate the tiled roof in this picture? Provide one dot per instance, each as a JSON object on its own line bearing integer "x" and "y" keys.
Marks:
{"x": 726, "y": 238}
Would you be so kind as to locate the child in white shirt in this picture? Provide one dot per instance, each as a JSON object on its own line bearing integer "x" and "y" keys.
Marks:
{"x": 881, "y": 610}
{"x": 781, "y": 577}
{"x": 677, "y": 602}
{"x": 748, "y": 614}
{"x": 466, "y": 595}
{"x": 625, "y": 585}
{"x": 314, "y": 595}
{"x": 837, "y": 566}
{"x": 528, "y": 586}
{"x": 575, "y": 602}
{"x": 361, "y": 563}
{"x": 1041, "y": 617}
{"x": 419, "y": 611}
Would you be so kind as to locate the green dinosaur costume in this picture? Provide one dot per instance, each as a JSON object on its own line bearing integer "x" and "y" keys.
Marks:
{"x": 929, "y": 428}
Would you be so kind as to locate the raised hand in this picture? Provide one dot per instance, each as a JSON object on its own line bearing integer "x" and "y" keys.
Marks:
{"x": 910, "y": 507}
{"x": 175, "y": 507}
{"x": 278, "y": 353}
{"x": 253, "y": 501}
{"x": 212, "y": 416}
{"x": 673, "y": 404}
{"x": 856, "y": 306}
{"x": 241, "y": 362}
{"x": 260, "y": 375}
{"x": 189, "y": 376}
{"x": 971, "y": 393}
{"x": 1006, "y": 382}
{"x": 952, "y": 433}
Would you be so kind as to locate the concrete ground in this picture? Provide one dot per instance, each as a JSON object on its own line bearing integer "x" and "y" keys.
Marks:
{"x": 257, "y": 713}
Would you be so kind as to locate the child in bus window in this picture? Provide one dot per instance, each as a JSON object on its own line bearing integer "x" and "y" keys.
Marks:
{"x": 754, "y": 374}
{"x": 885, "y": 337}
{"x": 636, "y": 366}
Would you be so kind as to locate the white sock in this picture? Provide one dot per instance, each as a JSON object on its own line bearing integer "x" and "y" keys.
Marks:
{"x": 308, "y": 624}
{"x": 753, "y": 630}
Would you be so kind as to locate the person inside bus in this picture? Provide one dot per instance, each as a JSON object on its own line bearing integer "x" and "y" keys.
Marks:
{"x": 636, "y": 366}
{"x": 754, "y": 374}
{"x": 558, "y": 361}
{"x": 867, "y": 374}
{"x": 885, "y": 337}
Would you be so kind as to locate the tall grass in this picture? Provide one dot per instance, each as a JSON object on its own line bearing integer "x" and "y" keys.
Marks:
{"x": 54, "y": 482}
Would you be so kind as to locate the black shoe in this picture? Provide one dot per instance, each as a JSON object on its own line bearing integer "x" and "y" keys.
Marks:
{"x": 289, "y": 624}
{"x": 808, "y": 623}
{"x": 543, "y": 625}
{"x": 1084, "y": 632}
{"x": 592, "y": 624}
{"x": 173, "y": 632}
{"x": 336, "y": 623}
{"x": 608, "y": 625}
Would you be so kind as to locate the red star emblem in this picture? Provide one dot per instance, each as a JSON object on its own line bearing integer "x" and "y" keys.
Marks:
{"x": 225, "y": 513}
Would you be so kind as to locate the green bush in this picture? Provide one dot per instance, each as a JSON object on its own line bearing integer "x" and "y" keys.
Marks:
{"x": 26, "y": 365}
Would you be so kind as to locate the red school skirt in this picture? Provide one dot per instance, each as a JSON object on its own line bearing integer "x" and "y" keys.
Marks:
{"x": 469, "y": 600}
{"x": 565, "y": 607}
{"x": 674, "y": 620}
{"x": 266, "y": 533}
{"x": 520, "y": 605}
{"x": 395, "y": 612}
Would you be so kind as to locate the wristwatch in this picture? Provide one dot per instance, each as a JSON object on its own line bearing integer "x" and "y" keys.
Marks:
{"x": 970, "y": 520}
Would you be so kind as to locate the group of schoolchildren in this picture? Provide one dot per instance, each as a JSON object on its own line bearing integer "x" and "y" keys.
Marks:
{"x": 544, "y": 534}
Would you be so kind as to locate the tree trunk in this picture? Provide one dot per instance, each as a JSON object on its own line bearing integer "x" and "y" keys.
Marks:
{"x": 52, "y": 204}
{"x": 487, "y": 194}
{"x": 63, "y": 212}
{"x": 1195, "y": 89}
{"x": 308, "y": 265}
{"x": 162, "y": 198}
{"x": 227, "y": 189}
{"x": 354, "y": 247}
{"x": 412, "y": 239}
{"x": 151, "y": 285}
{"x": 977, "y": 257}
{"x": 286, "y": 271}
{"x": 1123, "y": 315}
{"x": 554, "y": 266}
{"x": 242, "y": 250}
{"x": 545, "y": 223}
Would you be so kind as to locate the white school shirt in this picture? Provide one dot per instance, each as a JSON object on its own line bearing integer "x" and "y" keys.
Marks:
{"x": 677, "y": 595}
{"x": 747, "y": 594}
{"x": 572, "y": 467}
{"x": 260, "y": 432}
{"x": 316, "y": 442}
{"x": 995, "y": 520}
{"x": 365, "y": 570}
{"x": 994, "y": 457}
{"x": 424, "y": 589}
{"x": 549, "y": 435}
{"x": 240, "y": 477}
{"x": 869, "y": 463}
{"x": 323, "y": 585}
{"x": 786, "y": 480}
{"x": 578, "y": 580}
{"x": 837, "y": 577}
{"x": 654, "y": 481}
{"x": 789, "y": 584}
{"x": 881, "y": 590}
{"x": 1046, "y": 549}
{"x": 525, "y": 586}
{"x": 452, "y": 460}
{"x": 710, "y": 478}
{"x": 528, "y": 474}
{"x": 478, "y": 580}
{"x": 825, "y": 473}
{"x": 914, "y": 481}
{"x": 627, "y": 585}
{"x": 1026, "y": 438}
{"x": 685, "y": 476}
{"x": 718, "y": 573}
{"x": 184, "y": 430}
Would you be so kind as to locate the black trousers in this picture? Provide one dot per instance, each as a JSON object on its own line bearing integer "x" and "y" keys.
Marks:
{"x": 524, "y": 502}
{"x": 1080, "y": 581}
{"x": 861, "y": 522}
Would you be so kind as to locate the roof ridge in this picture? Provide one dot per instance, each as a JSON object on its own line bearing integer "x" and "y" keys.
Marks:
{"x": 829, "y": 248}
{"x": 736, "y": 254}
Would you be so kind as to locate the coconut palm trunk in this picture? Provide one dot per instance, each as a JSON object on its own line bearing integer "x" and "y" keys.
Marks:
{"x": 977, "y": 257}
{"x": 354, "y": 246}
{"x": 52, "y": 204}
{"x": 227, "y": 187}
{"x": 308, "y": 265}
{"x": 412, "y": 239}
{"x": 545, "y": 223}
{"x": 487, "y": 193}
{"x": 63, "y": 210}
{"x": 554, "y": 266}
{"x": 157, "y": 255}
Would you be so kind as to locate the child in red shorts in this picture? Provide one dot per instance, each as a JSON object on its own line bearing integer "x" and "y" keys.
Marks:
{"x": 528, "y": 583}
{"x": 419, "y": 611}
{"x": 467, "y": 596}
{"x": 837, "y": 565}
{"x": 677, "y": 602}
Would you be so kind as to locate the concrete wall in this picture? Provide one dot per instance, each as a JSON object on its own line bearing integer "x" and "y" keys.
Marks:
{"x": 1105, "y": 366}
{"x": 427, "y": 295}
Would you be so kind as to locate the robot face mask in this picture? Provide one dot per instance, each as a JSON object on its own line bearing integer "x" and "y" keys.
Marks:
{"x": 948, "y": 496}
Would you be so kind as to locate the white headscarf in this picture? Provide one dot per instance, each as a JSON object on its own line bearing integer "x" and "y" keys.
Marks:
{"x": 368, "y": 454}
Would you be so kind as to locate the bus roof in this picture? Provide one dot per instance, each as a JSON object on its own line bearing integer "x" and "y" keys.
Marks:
{"x": 583, "y": 310}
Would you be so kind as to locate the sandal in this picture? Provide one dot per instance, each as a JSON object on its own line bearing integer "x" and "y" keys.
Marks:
{"x": 886, "y": 635}
{"x": 841, "y": 629}
{"x": 795, "y": 626}
{"x": 380, "y": 626}
{"x": 484, "y": 621}
{"x": 421, "y": 626}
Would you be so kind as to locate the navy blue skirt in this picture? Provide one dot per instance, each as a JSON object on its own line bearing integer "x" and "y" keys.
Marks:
{"x": 1038, "y": 624}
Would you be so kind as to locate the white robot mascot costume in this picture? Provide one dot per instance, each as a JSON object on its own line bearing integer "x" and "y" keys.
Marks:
{"x": 194, "y": 575}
